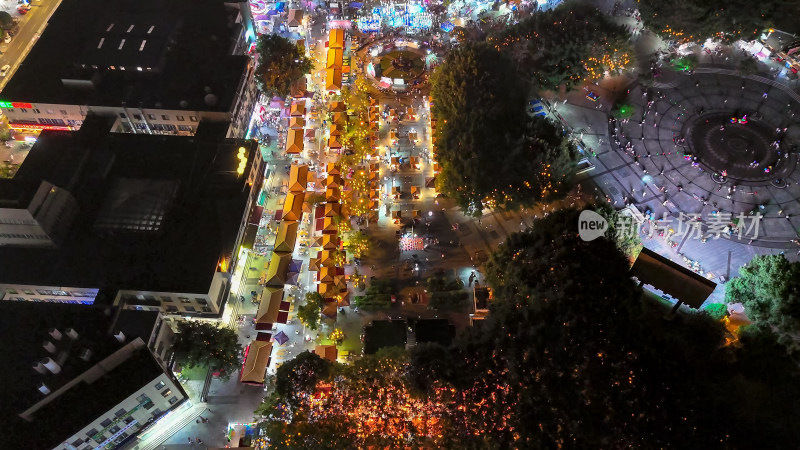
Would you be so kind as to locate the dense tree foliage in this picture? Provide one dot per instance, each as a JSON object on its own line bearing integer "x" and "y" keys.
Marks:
{"x": 571, "y": 355}
{"x": 726, "y": 20}
{"x": 208, "y": 345}
{"x": 490, "y": 151}
{"x": 310, "y": 311}
{"x": 622, "y": 229}
{"x": 280, "y": 63}
{"x": 769, "y": 288}
{"x": 566, "y": 46}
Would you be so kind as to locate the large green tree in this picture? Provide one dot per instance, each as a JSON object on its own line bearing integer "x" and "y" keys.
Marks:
{"x": 571, "y": 355}
{"x": 490, "y": 151}
{"x": 769, "y": 288}
{"x": 566, "y": 46}
{"x": 726, "y": 20}
{"x": 310, "y": 311}
{"x": 208, "y": 345}
{"x": 280, "y": 63}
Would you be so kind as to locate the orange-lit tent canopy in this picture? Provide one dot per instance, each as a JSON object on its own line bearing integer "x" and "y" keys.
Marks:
{"x": 333, "y": 79}
{"x": 295, "y": 18}
{"x": 332, "y": 194}
{"x": 333, "y": 169}
{"x": 293, "y": 206}
{"x": 339, "y": 118}
{"x": 336, "y": 38}
{"x": 326, "y": 274}
{"x": 333, "y": 181}
{"x": 336, "y": 130}
{"x": 330, "y": 242}
{"x": 335, "y": 58}
{"x": 294, "y": 141}
{"x": 268, "y": 308}
{"x": 297, "y": 122}
{"x": 313, "y": 264}
{"x": 329, "y": 226}
{"x": 327, "y": 258}
{"x": 335, "y": 141}
{"x": 329, "y": 310}
{"x": 287, "y": 237}
{"x": 298, "y": 108}
{"x": 255, "y": 366}
{"x": 298, "y": 177}
{"x": 333, "y": 210}
{"x": 337, "y": 107}
{"x": 278, "y": 269}
{"x": 328, "y": 352}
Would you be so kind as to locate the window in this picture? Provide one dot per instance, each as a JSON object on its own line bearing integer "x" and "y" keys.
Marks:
{"x": 160, "y": 385}
{"x": 64, "y": 112}
{"x": 36, "y": 111}
{"x": 172, "y": 308}
{"x": 123, "y": 116}
{"x": 156, "y": 412}
{"x": 202, "y": 301}
{"x": 137, "y": 117}
{"x": 193, "y": 118}
{"x": 148, "y": 404}
{"x": 114, "y": 429}
{"x": 105, "y": 423}
{"x": 24, "y": 110}
{"x": 189, "y": 308}
{"x": 129, "y": 419}
{"x": 184, "y": 300}
{"x": 121, "y": 412}
{"x": 91, "y": 432}
{"x": 164, "y": 117}
{"x": 151, "y": 116}
{"x": 142, "y": 398}
{"x": 180, "y": 118}
{"x": 173, "y": 400}
{"x": 166, "y": 393}
{"x": 77, "y": 442}
{"x": 166, "y": 299}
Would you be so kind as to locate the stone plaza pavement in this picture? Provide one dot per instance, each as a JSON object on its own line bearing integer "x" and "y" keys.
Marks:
{"x": 642, "y": 161}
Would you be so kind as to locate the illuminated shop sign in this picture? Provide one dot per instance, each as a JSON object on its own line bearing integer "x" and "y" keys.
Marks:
{"x": 16, "y": 105}
{"x": 37, "y": 126}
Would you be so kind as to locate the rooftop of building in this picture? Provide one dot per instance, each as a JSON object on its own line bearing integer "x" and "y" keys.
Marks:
{"x": 25, "y": 326}
{"x": 186, "y": 44}
{"x": 156, "y": 213}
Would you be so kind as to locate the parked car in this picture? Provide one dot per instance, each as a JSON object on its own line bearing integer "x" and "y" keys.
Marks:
{"x": 4, "y": 70}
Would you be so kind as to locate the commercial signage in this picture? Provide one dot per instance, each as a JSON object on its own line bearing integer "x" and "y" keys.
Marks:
{"x": 37, "y": 126}
{"x": 16, "y": 105}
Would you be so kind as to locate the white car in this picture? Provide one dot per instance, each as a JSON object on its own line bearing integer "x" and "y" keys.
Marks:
{"x": 4, "y": 70}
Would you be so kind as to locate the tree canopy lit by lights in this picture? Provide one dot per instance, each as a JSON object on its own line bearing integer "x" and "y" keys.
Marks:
{"x": 724, "y": 20}
{"x": 572, "y": 354}
{"x": 566, "y": 46}
{"x": 490, "y": 151}
{"x": 208, "y": 345}
{"x": 280, "y": 63}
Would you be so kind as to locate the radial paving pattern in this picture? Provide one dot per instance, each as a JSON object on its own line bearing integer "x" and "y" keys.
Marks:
{"x": 691, "y": 158}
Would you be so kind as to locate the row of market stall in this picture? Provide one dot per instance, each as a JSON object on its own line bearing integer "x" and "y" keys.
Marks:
{"x": 281, "y": 270}
{"x": 329, "y": 261}
{"x": 335, "y": 60}
{"x": 297, "y": 122}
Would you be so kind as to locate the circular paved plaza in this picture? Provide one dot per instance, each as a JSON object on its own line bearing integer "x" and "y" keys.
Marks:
{"x": 713, "y": 142}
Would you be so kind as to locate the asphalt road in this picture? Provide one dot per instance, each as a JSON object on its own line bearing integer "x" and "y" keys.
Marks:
{"x": 31, "y": 27}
